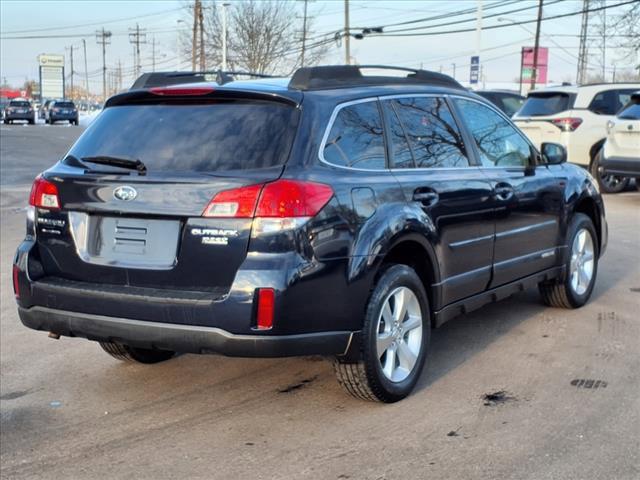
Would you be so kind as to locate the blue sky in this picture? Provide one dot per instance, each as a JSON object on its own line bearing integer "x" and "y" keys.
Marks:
{"x": 500, "y": 48}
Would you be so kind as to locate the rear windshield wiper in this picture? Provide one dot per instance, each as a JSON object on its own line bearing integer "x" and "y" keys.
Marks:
{"x": 118, "y": 162}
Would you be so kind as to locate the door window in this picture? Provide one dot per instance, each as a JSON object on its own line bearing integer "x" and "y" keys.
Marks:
{"x": 499, "y": 143}
{"x": 610, "y": 102}
{"x": 424, "y": 134}
{"x": 356, "y": 138}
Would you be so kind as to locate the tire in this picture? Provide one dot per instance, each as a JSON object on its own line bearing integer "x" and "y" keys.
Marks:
{"x": 607, "y": 183}
{"x": 563, "y": 292}
{"x": 637, "y": 183}
{"x": 364, "y": 377}
{"x": 127, "y": 353}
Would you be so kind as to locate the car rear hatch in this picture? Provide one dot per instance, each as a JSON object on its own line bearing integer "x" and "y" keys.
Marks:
{"x": 151, "y": 226}
{"x": 544, "y": 115}
{"x": 625, "y": 130}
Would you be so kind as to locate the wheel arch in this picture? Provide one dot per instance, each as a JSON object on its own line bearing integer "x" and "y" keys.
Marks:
{"x": 416, "y": 252}
{"x": 588, "y": 206}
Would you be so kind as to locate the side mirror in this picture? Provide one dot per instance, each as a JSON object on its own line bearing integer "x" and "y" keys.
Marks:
{"x": 553, "y": 153}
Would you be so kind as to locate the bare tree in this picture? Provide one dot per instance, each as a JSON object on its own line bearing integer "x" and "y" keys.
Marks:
{"x": 617, "y": 30}
{"x": 262, "y": 36}
{"x": 629, "y": 27}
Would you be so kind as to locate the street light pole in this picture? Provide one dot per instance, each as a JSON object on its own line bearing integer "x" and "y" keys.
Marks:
{"x": 178, "y": 22}
{"x": 347, "y": 39}
{"x": 224, "y": 35}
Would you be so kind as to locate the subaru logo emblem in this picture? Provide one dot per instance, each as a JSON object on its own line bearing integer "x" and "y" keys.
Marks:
{"x": 125, "y": 193}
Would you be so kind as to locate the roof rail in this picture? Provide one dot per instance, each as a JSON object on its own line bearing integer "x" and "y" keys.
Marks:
{"x": 344, "y": 76}
{"x": 162, "y": 79}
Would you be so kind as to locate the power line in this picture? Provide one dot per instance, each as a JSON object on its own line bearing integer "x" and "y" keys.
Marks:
{"x": 93, "y": 24}
{"x": 493, "y": 27}
{"x": 485, "y": 17}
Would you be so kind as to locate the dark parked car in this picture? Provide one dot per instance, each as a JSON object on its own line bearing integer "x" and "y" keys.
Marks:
{"x": 19, "y": 109}
{"x": 507, "y": 101}
{"x": 336, "y": 213}
{"x": 61, "y": 110}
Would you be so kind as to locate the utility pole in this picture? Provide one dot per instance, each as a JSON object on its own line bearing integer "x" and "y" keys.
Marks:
{"x": 534, "y": 72}
{"x": 136, "y": 37}
{"x": 86, "y": 70}
{"x": 224, "y": 35}
{"x": 347, "y": 39}
{"x": 201, "y": 23}
{"x": 71, "y": 78}
{"x": 194, "y": 41}
{"x": 479, "y": 32}
{"x": 604, "y": 43}
{"x": 454, "y": 70}
{"x": 153, "y": 54}
{"x": 104, "y": 38}
{"x": 304, "y": 33}
{"x": 582, "y": 52}
{"x": 119, "y": 75}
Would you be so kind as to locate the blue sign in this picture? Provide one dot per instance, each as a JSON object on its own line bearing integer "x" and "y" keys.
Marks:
{"x": 474, "y": 74}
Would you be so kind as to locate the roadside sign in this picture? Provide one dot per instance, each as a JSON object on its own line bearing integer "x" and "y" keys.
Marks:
{"x": 50, "y": 60}
{"x": 51, "y": 76}
{"x": 528, "y": 54}
{"x": 474, "y": 74}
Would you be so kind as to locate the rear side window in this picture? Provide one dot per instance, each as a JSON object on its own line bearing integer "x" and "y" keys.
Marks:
{"x": 609, "y": 102}
{"x": 550, "y": 103}
{"x": 630, "y": 112}
{"x": 224, "y": 135}
{"x": 356, "y": 138}
{"x": 431, "y": 134}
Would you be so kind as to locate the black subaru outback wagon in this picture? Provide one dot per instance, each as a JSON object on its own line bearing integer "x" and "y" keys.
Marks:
{"x": 335, "y": 213}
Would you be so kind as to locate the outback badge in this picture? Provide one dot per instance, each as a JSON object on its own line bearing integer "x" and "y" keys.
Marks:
{"x": 125, "y": 193}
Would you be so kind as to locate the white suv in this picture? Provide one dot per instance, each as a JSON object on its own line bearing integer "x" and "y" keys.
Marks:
{"x": 576, "y": 117}
{"x": 621, "y": 152}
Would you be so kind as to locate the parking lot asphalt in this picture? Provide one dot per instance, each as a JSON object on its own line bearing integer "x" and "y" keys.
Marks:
{"x": 513, "y": 391}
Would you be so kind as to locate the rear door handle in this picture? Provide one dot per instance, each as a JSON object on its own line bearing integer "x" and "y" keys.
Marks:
{"x": 427, "y": 198}
{"x": 503, "y": 191}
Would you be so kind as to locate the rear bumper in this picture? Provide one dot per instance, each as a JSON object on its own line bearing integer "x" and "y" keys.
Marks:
{"x": 20, "y": 116}
{"x": 63, "y": 117}
{"x": 183, "y": 338}
{"x": 621, "y": 166}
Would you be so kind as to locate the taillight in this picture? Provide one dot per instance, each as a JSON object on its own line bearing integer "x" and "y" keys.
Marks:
{"x": 181, "y": 91}
{"x": 266, "y": 305}
{"x": 567, "y": 124}
{"x": 44, "y": 194}
{"x": 280, "y": 199}
{"x": 16, "y": 282}
{"x": 291, "y": 198}
{"x": 236, "y": 203}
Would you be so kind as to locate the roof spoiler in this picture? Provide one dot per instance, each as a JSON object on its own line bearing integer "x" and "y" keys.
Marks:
{"x": 164, "y": 79}
{"x": 344, "y": 76}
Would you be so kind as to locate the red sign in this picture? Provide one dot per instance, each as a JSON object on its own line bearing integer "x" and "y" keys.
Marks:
{"x": 9, "y": 93}
{"x": 527, "y": 64}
